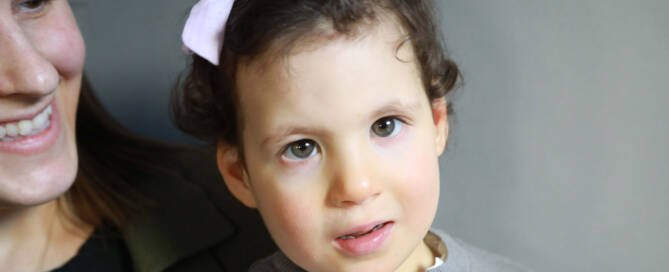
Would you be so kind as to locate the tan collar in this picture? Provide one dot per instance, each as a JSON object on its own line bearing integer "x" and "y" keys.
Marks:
{"x": 437, "y": 245}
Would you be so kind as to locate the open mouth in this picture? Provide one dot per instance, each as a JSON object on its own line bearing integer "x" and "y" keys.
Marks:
{"x": 32, "y": 134}
{"x": 360, "y": 234}
{"x": 17, "y": 130}
{"x": 364, "y": 240}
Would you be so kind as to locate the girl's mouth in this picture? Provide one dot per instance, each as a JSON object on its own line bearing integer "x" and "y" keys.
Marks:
{"x": 364, "y": 240}
{"x": 360, "y": 234}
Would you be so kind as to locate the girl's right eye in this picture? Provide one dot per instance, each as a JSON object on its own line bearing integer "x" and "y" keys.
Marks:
{"x": 300, "y": 150}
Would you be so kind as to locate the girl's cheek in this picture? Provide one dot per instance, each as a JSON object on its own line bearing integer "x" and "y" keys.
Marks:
{"x": 292, "y": 210}
{"x": 419, "y": 187}
{"x": 396, "y": 143}
{"x": 299, "y": 166}
{"x": 292, "y": 217}
{"x": 416, "y": 165}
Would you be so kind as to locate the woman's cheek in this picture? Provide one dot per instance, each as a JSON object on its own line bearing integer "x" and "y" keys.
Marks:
{"x": 66, "y": 52}
{"x": 69, "y": 60}
{"x": 61, "y": 43}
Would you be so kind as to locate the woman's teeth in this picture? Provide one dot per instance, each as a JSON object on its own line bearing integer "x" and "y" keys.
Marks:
{"x": 23, "y": 128}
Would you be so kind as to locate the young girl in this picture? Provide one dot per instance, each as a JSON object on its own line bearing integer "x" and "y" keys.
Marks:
{"x": 329, "y": 117}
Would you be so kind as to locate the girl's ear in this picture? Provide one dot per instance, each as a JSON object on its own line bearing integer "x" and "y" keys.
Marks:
{"x": 440, "y": 117}
{"x": 234, "y": 174}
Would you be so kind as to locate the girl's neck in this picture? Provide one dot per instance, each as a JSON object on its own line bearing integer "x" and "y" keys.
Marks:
{"x": 420, "y": 259}
{"x": 38, "y": 238}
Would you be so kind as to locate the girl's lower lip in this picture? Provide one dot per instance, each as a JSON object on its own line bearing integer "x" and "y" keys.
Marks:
{"x": 35, "y": 143}
{"x": 367, "y": 243}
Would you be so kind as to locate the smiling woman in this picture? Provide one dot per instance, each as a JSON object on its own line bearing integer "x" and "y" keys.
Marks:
{"x": 78, "y": 192}
{"x": 38, "y": 82}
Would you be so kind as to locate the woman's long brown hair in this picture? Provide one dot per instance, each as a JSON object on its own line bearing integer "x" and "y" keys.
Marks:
{"x": 112, "y": 163}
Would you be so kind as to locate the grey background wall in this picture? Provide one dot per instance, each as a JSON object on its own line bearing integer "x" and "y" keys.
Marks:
{"x": 557, "y": 157}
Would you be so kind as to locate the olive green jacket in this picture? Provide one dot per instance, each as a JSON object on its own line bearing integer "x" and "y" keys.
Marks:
{"x": 195, "y": 224}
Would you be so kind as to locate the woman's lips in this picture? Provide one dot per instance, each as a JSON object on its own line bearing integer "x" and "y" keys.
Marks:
{"x": 364, "y": 239}
{"x": 28, "y": 145}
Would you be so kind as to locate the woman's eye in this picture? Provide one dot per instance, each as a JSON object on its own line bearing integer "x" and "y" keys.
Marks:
{"x": 300, "y": 150}
{"x": 32, "y": 5}
{"x": 387, "y": 126}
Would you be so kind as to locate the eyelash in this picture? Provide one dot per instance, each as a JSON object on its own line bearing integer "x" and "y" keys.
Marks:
{"x": 287, "y": 149}
{"x": 397, "y": 129}
{"x": 19, "y": 6}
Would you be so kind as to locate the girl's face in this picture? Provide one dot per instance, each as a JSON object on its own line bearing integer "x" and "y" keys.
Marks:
{"x": 341, "y": 148}
{"x": 41, "y": 64}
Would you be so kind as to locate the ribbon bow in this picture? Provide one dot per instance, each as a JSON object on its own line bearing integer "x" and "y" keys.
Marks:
{"x": 204, "y": 29}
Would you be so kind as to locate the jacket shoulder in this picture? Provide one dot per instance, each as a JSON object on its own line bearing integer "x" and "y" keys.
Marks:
{"x": 193, "y": 222}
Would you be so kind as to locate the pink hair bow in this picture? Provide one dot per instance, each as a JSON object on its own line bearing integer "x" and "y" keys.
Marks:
{"x": 203, "y": 32}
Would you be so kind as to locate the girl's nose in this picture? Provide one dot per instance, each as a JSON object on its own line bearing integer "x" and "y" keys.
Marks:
{"x": 24, "y": 71}
{"x": 354, "y": 183}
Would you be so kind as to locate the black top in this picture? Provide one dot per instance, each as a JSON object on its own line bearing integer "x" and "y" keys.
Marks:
{"x": 192, "y": 224}
{"x": 104, "y": 251}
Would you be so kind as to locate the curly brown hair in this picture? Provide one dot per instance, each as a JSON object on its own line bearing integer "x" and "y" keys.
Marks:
{"x": 205, "y": 102}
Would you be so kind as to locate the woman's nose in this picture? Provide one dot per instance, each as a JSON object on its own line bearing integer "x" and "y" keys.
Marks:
{"x": 24, "y": 70}
{"x": 354, "y": 183}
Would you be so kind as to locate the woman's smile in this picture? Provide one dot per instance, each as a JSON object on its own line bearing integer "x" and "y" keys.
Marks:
{"x": 33, "y": 134}
{"x": 41, "y": 67}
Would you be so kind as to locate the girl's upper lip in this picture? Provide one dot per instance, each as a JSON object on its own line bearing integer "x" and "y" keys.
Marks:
{"x": 27, "y": 114}
{"x": 362, "y": 228}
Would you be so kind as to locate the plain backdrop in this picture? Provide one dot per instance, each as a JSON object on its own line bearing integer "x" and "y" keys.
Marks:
{"x": 557, "y": 156}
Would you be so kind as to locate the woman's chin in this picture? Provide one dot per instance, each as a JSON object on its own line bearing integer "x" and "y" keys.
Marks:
{"x": 39, "y": 168}
{"x": 30, "y": 186}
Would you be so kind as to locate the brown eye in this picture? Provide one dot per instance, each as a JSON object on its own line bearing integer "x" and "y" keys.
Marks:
{"x": 32, "y": 6}
{"x": 386, "y": 127}
{"x": 300, "y": 150}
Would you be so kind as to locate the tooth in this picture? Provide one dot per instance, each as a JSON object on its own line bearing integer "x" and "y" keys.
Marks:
{"x": 25, "y": 127}
{"x": 3, "y": 130}
{"x": 49, "y": 110}
{"x": 39, "y": 121}
{"x": 12, "y": 130}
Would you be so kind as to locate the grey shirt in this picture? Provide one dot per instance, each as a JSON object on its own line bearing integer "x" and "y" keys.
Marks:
{"x": 458, "y": 256}
{"x": 461, "y": 257}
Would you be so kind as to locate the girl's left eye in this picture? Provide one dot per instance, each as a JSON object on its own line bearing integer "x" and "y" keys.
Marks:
{"x": 387, "y": 127}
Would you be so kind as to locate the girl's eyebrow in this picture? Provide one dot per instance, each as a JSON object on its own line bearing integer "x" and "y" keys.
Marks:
{"x": 392, "y": 107}
{"x": 396, "y": 106}
{"x": 286, "y": 131}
